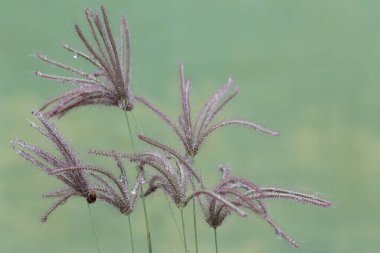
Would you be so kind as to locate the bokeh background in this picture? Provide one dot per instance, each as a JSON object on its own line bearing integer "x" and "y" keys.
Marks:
{"x": 309, "y": 69}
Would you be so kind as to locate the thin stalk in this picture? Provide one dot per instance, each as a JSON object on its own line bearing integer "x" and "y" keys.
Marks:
{"x": 184, "y": 231}
{"x": 131, "y": 234}
{"x": 195, "y": 226}
{"x": 146, "y": 221}
{"x": 142, "y": 189}
{"x": 93, "y": 228}
{"x": 175, "y": 220}
{"x": 129, "y": 218}
{"x": 216, "y": 241}
{"x": 137, "y": 122}
{"x": 130, "y": 132}
{"x": 192, "y": 161}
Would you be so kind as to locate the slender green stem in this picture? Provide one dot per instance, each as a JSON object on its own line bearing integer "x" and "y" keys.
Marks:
{"x": 137, "y": 122}
{"x": 195, "y": 226}
{"x": 131, "y": 234}
{"x": 184, "y": 231}
{"x": 175, "y": 220}
{"x": 142, "y": 188}
{"x": 93, "y": 228}
{"x": 146, "y": 221}
{"x": 216, "y": 241}
{"x": 129, "y": 218}
{"x": 130, "y": 132}
{"x": 194, "y": 214}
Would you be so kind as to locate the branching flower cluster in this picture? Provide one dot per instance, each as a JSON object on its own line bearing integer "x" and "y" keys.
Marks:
{"x": 108, "y": 84}
{"x": 162, "y": 167}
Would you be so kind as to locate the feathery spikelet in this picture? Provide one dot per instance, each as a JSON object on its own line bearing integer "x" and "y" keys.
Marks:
{"x": 110, "y": 188}
{"x": 77, "y": 183}
{"x": 173, "y": 180}
{"x": 109, "y": 84}
{"x": 245, "y": 194}
{"x": 193, "y": 134}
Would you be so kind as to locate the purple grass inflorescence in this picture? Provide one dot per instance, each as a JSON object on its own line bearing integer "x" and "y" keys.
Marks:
{"x": 245, "y": 194}
{"x": 162, "y": 167}
{"x": 193, "y": 134}
{"x": 77, "y": 181}
{"x": 109, "y": 83}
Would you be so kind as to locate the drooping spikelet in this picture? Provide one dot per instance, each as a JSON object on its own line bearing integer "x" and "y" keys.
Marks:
{"x": 245, "y": 194}
{"x": 171, "y": 176}
{"x": 77, "y": 182}
{"x": 111, "y": 188}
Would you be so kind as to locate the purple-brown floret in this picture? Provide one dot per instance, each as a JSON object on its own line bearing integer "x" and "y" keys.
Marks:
{"x": 193, "y": 134}
{"x": 77, "y": 182}
{"x": 108, "y": 83}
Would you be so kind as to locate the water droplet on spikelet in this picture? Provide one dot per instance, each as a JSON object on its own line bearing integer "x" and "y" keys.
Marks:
{"x": 121, "y": 104}
{"x": 122, "y": 179}
{"x": 75, "y": 55}
{"x": 133, "y": 192}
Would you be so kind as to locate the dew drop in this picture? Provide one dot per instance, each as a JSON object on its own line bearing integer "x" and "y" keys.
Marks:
{"x": 121, "y": 104}
{"x": 32, "y": 124}
{"x": 122, "y": 179}
{"x": 142, "y": 180}
{"x": 75, "y": 55}
{"x": 133, "y": 192}
{"x": 279, "y": 236}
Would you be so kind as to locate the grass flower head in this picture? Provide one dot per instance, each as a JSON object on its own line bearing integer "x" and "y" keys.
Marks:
{"x": 109, "y": 83}
{"x": 76, "y": 182}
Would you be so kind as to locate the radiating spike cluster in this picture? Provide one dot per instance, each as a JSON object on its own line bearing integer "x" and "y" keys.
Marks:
{"x": 193, "y": 134}
{"x": 77, "y": 182}
{"x": 172, "y": 179}
{"x": 109, "y": 187}
{"x": 108, "y": 84}
{"x": 245, "y": 194}
{"x": 181, "y": 159}
{"x": 167, "y": 177}
{"x": 169, "y": 170}
{"x": 114, "y": 189}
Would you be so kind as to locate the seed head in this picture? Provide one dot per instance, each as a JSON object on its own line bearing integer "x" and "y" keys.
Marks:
{"x": 193, "y": 134}
{"x": 77, "y": 182}
{"x": 245, "y": 194}
{"x": 115, "y": 189}
{"x": 109, "y": 83}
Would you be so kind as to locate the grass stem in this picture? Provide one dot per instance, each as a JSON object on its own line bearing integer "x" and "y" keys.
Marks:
{"x": 174, "y": 219}
{"x": 195, "y": 226}
{"x": 148, "y": 237}
{"x": 131, "y": 234}
{"x": 146, "y": 221}
{"x": 93, "y": 228}
{"x": 192, "y": 161}
{"x": 184, "y": 231}
{"x": 130, "y": 132}
{"x": 216, "y": 241}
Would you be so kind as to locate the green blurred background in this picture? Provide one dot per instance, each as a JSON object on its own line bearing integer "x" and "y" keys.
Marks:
{"x": 309, "y": 69}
